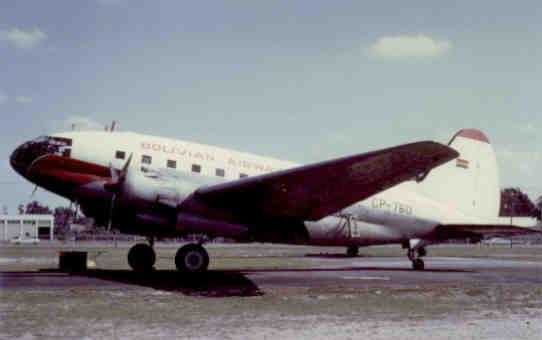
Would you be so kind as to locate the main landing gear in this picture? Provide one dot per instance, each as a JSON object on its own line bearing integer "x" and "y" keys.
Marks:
{"x": 191, "y": 258}
{"x": 141, "y": 258}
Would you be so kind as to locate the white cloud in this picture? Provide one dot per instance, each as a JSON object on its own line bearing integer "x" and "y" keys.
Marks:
{"x": 400, "y": 47}
{"x": 81, "y": 123}
{"x": 23, "y": 99}
{"x": 74, "y": 122}
{"x": 23, "y": 39}
{"x": 3, "y": 97}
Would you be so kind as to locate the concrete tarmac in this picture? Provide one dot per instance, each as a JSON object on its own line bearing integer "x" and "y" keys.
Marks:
{"x": 269, "y": 292}
{"x": 397, "y": 272}
{"x": 319, "y": 271}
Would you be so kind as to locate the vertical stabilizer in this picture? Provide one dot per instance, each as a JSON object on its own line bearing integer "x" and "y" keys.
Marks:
{"x": 470, "y": 182}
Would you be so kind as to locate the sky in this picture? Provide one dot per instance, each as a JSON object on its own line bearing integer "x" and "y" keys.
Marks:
{"x": 302, "y": 81}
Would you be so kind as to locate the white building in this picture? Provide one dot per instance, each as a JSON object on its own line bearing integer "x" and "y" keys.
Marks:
{"x": 41, "y": 226}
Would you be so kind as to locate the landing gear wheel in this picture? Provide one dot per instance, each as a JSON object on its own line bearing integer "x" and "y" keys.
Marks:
{"x": 192, "y": 258}
{"x": 141, "y": 258}
{"x": 422, "y": 252}
{"x": 352, "y": 251}
{"x": 418, "y": 264}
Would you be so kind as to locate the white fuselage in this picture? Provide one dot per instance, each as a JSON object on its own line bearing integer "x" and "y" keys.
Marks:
{"x": 398, "y": 214}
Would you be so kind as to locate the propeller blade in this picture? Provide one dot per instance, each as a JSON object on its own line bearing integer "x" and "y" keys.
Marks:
{"x": 118, "y": 177}
{"x": 113, "y": 173}
{"x": 111, "y": 210}
{"x": 125, "y": 168}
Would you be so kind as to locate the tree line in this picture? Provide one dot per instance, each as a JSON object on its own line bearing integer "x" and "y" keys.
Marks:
{"x": 516, "y": 203}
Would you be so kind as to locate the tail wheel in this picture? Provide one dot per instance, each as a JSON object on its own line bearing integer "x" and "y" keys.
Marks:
{"x": 352, "y": 251}
{"x": 418, "y": 264}
{"x": 192, "y": 258}
{"x": 141, "y": 257}
{"x": 422, "y": 252}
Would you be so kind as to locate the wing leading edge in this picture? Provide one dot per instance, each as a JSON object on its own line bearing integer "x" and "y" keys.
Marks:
{"x": 317, "y": 190}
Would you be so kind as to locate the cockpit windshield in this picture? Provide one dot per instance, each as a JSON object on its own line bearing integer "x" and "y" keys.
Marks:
{"x": 40, "y": 139}
{"x": 43, "y": 145}
{"x": 49, "y": 145}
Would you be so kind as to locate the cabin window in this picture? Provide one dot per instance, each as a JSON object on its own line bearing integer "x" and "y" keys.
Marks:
{"x": 146, "y": 159}
{"x": 171, "y": 164}
{"x": 120, "y": 155}
{"x": 196, "y": 168}
{"x": 243, "y": 175}
{"x": 66, "y": 152}
{"x": 220, "y": 172}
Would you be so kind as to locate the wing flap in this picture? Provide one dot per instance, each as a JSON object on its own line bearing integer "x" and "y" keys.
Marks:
{"x": 314, "y": 191}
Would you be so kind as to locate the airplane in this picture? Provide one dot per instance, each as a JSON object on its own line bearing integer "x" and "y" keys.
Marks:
{"x": 414, "y": 194}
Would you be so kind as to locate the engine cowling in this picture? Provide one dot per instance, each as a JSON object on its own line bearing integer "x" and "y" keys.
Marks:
{"x": 147, "y": 202}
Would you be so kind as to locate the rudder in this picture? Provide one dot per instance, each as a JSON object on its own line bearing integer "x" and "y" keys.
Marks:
{"x": 470, "y": 182}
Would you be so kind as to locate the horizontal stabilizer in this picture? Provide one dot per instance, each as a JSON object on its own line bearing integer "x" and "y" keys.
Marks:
{"x": 447, "y": 231}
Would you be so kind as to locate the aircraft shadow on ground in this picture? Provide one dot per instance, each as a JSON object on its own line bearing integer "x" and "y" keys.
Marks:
{"x": 209, "y": 284}
{"x": 335, "y": 256}
{"x": 357, "y": 269}
{"x": 214, "y": 283}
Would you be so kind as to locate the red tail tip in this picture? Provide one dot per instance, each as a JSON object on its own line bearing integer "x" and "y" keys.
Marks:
{"x": 474, "y": 134}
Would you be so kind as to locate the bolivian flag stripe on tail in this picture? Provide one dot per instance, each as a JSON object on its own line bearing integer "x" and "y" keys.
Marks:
{"x": 462, "y": 163}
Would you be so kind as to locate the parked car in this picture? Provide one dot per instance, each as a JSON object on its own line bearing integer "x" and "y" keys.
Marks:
{"x": 497, "y": 241}
{"x": 24, "y": 240}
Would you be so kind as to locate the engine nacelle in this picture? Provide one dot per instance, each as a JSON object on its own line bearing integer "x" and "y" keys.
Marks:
{"x": 144, "y": 190}
{"x": 146, "y": 202}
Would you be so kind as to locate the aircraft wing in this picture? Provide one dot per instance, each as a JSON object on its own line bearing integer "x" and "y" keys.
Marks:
{"x": 447, "y": 231}
{"x": 317, "y": 190}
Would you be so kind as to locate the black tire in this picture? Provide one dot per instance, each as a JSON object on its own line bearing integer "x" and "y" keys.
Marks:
{"x": 352, "y": 251}
{"x": 418, "y": 264}
{"x": 141, "y": 258}
{"x": 192, "y": 258}
{"x": 422, "y": 252}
